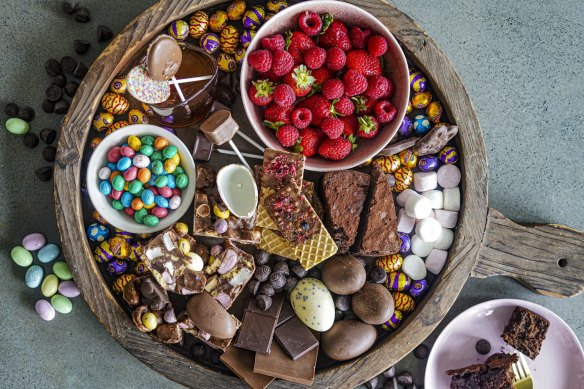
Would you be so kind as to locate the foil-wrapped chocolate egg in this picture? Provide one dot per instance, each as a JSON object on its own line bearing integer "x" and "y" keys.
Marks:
{"x": 135, "y": 116}
{"x": 394, "y": 322}
{"x": 406, "y": 243}
{"x": 388, "y": 164}
{"x": 448, "y": 155}
{"x": 136, "y": 250}
{"x": 422, "y": 125}
{"x": 117, "y": 266}
{"x": 102, "y": 121}
{"x": 94, "y": 142}
{"x": 418, "y": 288}
{"x": 121, "y": 281}
{"x": 141, "y": 268}
{"x": 408, "y": 158}
{"x": 421, "y": 100}
{"x": 98, "y": 218}
{"x": 228, "y": 39}
{"x": 226, "y": 62}
{"x": 428, "y": 163}
{"x": 406, "y": 127}
{"x": 97, "y": 232}
{"x": 390, "y": 263}
{"x": 246, "y": 37}
{"x": 236, "y": 10}
{"x": 118, "y": 85}
{"x": 434, "y": 111}
{"x": 269, "y": 15}
{"x": 418, "y": 81}
{"x": 147, "y": 109}
{"x": 403, "y": 179}
{"x": 276, "y": 6}
{"x": 103, "y": 253}
{"x": 398, "y": 281}
{"x": 127, "y": 236}
{"x": 119, "y": 247}
{"x": 409, "y": 107}
{"x": 254, "y": 17}
{"x": 218, "y": 21}
{"x": 179, "y": 30}
{"x": 403, "y": 302}
{"x": 117, "y": 126}
{"x": 198, "y": 24}
{"x": 114, "y": 103}
{"x": 239, "y": 54}
{"x": 210, "y": 42}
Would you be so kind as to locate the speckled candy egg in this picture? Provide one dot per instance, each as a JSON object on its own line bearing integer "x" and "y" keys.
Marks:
{"x": 434, "y": 111}
{"x": 313, "y": 304}
{"x": 141, "y": 268}
{"x": 276, "y": 6}
{"x": 421, "y": 100}
{"x": 408, "y": 158}
{"x": 135, "y": 116}
{"x": 179, "y": 30}
{"x": 114, "y": 103}
{"x": 388, "y": 164}
{"x": 103, "y": 253}
{"x": 418, "y": 288}
{"x": 422, "y": 124}
{"x": 390, "y": 263}
{"x": 97, "y": 232}
{"x": 236, "y": 9}
{"x": 448, "y": 155}
{"x": 210, "y": 42}
{"x": 218, "y": 20}
{"x": 226, "y": 62}
{"x": 406, "y": 127}
{"x": 239, "y": 54}
{"x": 394, "y": 322}
{"x": 119, "y": 85}
{"x": 136, "y": 249}
{"x": 228, "y": 39}
{"x": 246, "y": 37}
{"x": 116, "y": 126}
{"x": 121, "y": 281}
{"x": 418, "y": 81}
{"x": 428, "y": 163}
{"x": 254, "y": 18}
{"x": 94, "y": 142}
{"x": 198, "y": 24}
{"x": 403, "y": 302}
{"x": 147, "y": 109}
{"x": 406, "y": 243}
{"x": 403, "y": 179}
{"x": 398, "y": 281}
{"x": 102, "y": 121}
{"x": 119, "y": 247}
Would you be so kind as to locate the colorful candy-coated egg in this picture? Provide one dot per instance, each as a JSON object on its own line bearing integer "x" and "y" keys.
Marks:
{"x": 406, "y": 243}
{"x": 97, "y": 232}
{"x": 428, "y": 163}
{"x": 217, "y": 21}
{"x": 34, "y": 276}
{"x": 418, "y": 81}
{"x": 49, "y": 253}
{"x": 434, "y": 111}
{"x": 421, "y": 100}
{"x": 119, "y": 247}
{"x": 418, "y": 288}
{"x": 117, "y": 266}
{"x": 150, "y": 321}
{"x": 135, "y": 116}
{"x": 276, "y": 6}
{"x": 181, "y": 228}
{"x": 49, "y": 285}
{"x": 226, "y": 62}
{"x": 45, "y": 310}
{"x": 448, "y": 155}
{"x": 179, "y": 30}
{"x": 403, "y": 179}
{"x": 254, "y": 18}
{"x": 68, "y": 289}
{"x": 119, "y": 85}
{"x": 141, "y": 268}
{"x": 121, "y": 281}
{"x": 117, "y": 126}
{"x": 422, "y": 124}
{"x": 228, "y": 39}
{"x": 94, "y": 142}
{"x": 61, "y": 304}
{"x": 313, "y": 304}
{"x": 390, "y": 263}
{"x": 198, "y": 24}
{"x": 408, "y": 158}
{"x": 210, "y": 43}
{"x": 236, "y": 9}
{"x": 246, "y": 37}
{"x": 61, "y": 270}
{"x": 409, "y": 107}
{"x": 147, "y": 109}
{"x": 34, "y": 241}
{"x": 394, "y": 322}
{"x": 403, "y": 302}
{"x": 239, "y": 54}
{"x": 102, "y": 121}
{"x": 114, "y": 103}
{"x": 406, "y": 127}
{"x": 388, "y": 164}
{"x": 174, "y": 202}
{"x": 103, "y": 253}
{"x": 398, "y": 281}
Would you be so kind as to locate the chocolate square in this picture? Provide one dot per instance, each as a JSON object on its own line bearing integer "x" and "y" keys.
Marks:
{"x": 257, "y": 328}
{"x": 295, "y": 338}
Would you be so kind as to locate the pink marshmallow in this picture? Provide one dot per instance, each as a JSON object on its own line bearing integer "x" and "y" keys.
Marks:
{"x": 436, "y": 260}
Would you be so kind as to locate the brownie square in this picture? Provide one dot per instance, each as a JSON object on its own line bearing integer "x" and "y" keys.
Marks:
{"x": 495, "y": 373}
{"x": 526, "y": 331}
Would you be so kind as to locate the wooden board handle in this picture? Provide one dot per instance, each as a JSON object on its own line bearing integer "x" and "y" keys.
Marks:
{"x": 547, "y": 258}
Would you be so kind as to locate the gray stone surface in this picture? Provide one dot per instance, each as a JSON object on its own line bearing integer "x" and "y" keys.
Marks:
{"x": 520, "y": 61}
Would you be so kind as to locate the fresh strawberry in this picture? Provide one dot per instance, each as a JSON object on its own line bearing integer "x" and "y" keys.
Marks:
{"x": 355, "y": 83}
{"x": 273, "y": 42}
{"x": 332, "y": 127}
{"x": 318, "y": 106}
{"x": 297, "y": 43}
{"x": 336, "y": 35}
{"x": 287, "y": 135}
{"x": 368, "y": 127}
{"x": 301, "y": 80}
{"x": 333, "y": 89}
{"x": 384, "y": 111}
{"x": 335, "y": 149}
{"x": 350, "y": 125}
{"x": 310, "y": 140}
{"x": 377, "y": 45}
{"x": 314, "y": 57}
{"x": 343, "y": 106}
{"x": 301, "y": 117}
{"x": 310, "y": 23}
{"x": 376, "y": 87}
{"x": 335, "y": 59}
{"x": 284, "y": 95}
{"x": 359, "y": 37}
{"x": 363, "y": 105}
{"x": 260, "y": 92}
{"x": 321, "y": 75}
{"x": 260, "y": 60}
{"x": 282, "y": 62}
{"x": 276, "y": 114}
{"x": 364, "y": 63}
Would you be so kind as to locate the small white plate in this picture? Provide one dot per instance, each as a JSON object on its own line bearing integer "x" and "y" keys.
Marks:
{"x": 560, "y": 364}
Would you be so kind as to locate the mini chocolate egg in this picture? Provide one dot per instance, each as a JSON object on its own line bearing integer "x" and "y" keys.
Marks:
{"x": 117, "y": 126}
{"x": 239, "y": 55}
{"x": 406, "y": 243}
{"x": 434, "y": 111}
{"x": 418, "y": 288}
{"x": 390, "y": 263}
{"x": 117, "y": 266}
{"x": 406, "y": 127}
{"x": 421, "y": 100}
{"x": 147, "y": 109}
{"x": 343, "y": 274}
{"x": 228, "y": 39}
{"x": 398, "y": 281}
{"x": 246, "y": 37}
{"x": 127, "y": 236}
{"x": 448, "y": 155}
{"x": 114, "y": 103}
{"x": 394, "y": 322}
{"x": 372, "y": 304}
{"x": 121, "y": 281}
{"x": 347, "y": 339}
{"x": 210, "y": 42}
{"x": 236, "y": 9}
{"x": 218, "y": 20}
{"x": 313, "y": 304}
{"x": 422, "y": 124}
{"x": 103, "y": 253}
{"x": 269, "y": 16}
{"x": 119, "y": 247}
{"x": 226, "y": 62}
{"x": 102, "y": 121}
{"x": 417, "y": 80}
{"x": 428, "y": 163}
{"x": 119, "y": 85}
{"x": 99, "y": 218}
{"x": 97, "y": 232}
{"x": 254, "y": 18}
{"x": 403, "y": 302}
{"x": 136, "y": 250}
{"x": 94, "y": 142}
{"x": 403, "y": 179}
{"x": 135, "y": 116}
{"x": 179, "y": 30}
{"x": 198, "y": 24}
{"x": 276, "y": 6}
{"x": 408, "y": 158}
{"x": 388, "y": 164}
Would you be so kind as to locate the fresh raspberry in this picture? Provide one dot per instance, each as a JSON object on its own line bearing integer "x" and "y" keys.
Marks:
{"x": 310, "y": 140}
{"x": 376, "y": 87}
{"x": 343, "y": 106}
{"x": 335, "y": 59}
{"x": 355, "y": 83}
{"x": 332, "y": 127}
{"x": 350, "y": 125}
{"x": 260, "y": 92}
{"x": 364, "y": 63}
{"x": 260, "y": 60}
{"x": 301, "y": 80}
{"x": 368, "y": 127}
{"x": 287, "y": 135}
{"x": 321, "y": 75}
{"x": 333, "y": 89}
{"x": 310, "y": 23}
{"x": 301, "y": 117}
{"x": 314, "y": 57}
{"x": 284, "y": 95}
{"x": 359, "y": 37}
{"x": 297, "y": 43}
{"x": 335, "y": 149}
{"x": 363, "y": 105}
{"x": 276, "y": 114}
{"x": 377, "y": 45}
{"x": 336, "y": 35}
{"x": 282, "y": 62}
{"x": 273, "y": 42}
{"x": 384, "y": 111}
{"x": 390, "y": 89}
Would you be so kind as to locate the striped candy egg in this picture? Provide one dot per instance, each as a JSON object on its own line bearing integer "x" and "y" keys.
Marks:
{"x": 147, "y": 109}
{"x": 236, "y": 9}
{"x": 228, "y": 39}
{"x": 390, "y": 263}
{"x": 179, "y": 30}
{"x": 94, "y": 142}
{"x": 398, "y": 281}
{"x": 434, "y": 111}
{"x": 403, "y": 302}
{"x": 117, "y": 126}
{"x": 103, "y": 253}
{"x": 123, "y": 234}
{"x": 418, "y": 81}
{"x": 114, "y": 103}
{"x": 448, "y": 155}
{"x": 276, "y": 6}
{"x": 217, "y": 21}
{"x": 240, "y": 54}
{"x": 421, "y": 100}
{"x": 102, "y": 121}
{"x": 121, "y": 281}
{"x": 393, "y": 322}
{"x": 119, "y": 85}
{"x": 246, "y": 37}
{"x": 403, "y": 179}
{"x": 135, "y": 116}
{"x": 210, "y": 43}
{"x": 226, "y": 62}
{"x": 198, "y": 24}
{"x": 388, "y": 164}
{"x": 254, "y": 18}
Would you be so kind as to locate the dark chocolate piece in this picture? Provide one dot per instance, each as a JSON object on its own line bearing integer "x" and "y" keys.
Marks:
{"x": 295, "y": 338}
{"x": 81, "y": 46}
{"x": 26, "y": 113}
{"x": 483, "y": 347}
{"x": 11, "y": 109}
{"x": 241, "y": 362}
{"x": 104, "y": 33}
{"x": 30, "y": 140}
{"x": 48, "y": 106}
{"x": 435, "y": 140}
{"x": 71, "y": 88}
{"x": 80, "y": 71}
{"x": 202, "y": 149}
{"x": 44, "y": 173}
{"x": 526, "y": 331}
{"x": 169, "y": 333}
{"x": 68, "y": 64}
{"x": 52, "y": 67}
{"x": 153, "y": 295}
{"x": 50, "y": 153}
{"x": 48, "y": 136}
{"x": 59, "y": 80}
{"x": 82, "y": 15}
{"x": 257, "y": 328}
{"x": 61, "y": 107}
{"x": 69, "y": 7}
{"x": 286, "y": 313}
{"x": 279, "y": 365}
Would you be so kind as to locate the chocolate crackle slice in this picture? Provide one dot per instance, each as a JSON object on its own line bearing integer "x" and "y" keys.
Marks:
{"x": 526, "y": 331}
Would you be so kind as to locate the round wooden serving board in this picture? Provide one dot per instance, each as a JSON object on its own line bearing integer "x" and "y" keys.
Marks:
{"x": 547, "y": 258}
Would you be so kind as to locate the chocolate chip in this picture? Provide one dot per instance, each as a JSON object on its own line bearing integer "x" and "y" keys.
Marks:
{"x": 314, "y": 273}
{"x": 377, "y": 275}
{"x": 59, "y": 80}
{"x": 421, "y": 352}
{"x": 54, "y": 93}
{"x": 282, "y": 267}
{"x": 82, "y": 15}
{"x": 44, "y": 173}
{"x": 290, "y": 284}
{"x": 405, "y": 378}
{"x": 262, "y": 273}
{"x": 81, "y": 46}
{"x": 48, "y": 106}
{"x": 26, "y": 113}
{"x": 372, "y": 383}
{"x": 299, "y": 271}
{"x": 68, "y": 64}
{"x": 254, "y": 287}
{"x": 343, "y": 303}
{"x": 389, "y": 373}
{"x": 61, "y": 107}
{"x": 483, "y": 347}
{"x": 71, "y": 88}
{"x": 338, "y": 315}
{"x": 80, "y": 71}
{"x": 267, "y": 289}
{"x": 104, "y": 33}
{"x": 69, "y": 7}
{"x": 198, "y": 350}
{"x": 278, "y": 280}
{"x": 52, "y": 67}
{"x": 49, "y": 153}
{"x": 261, "y": 257}
{"x": 30, "y": 140}
{"x": 263, "y": 302}
{"x": 11, "y": 109}
{"x": 279, "y": 258}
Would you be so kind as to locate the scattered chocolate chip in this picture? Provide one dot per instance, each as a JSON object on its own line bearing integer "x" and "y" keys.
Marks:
{"x": 262, "y": 273}
{"x": 82, "y": 15}
{"x": 11, "y": 109}
{"x": 405, "y": 378}
{"x": 372, "y": 383}
{"x": 59, "y": 80}
{"x": 378, "y": 275}
{"x": 261, "y": 257}
{"x": 278, "y": 280}
{"x": 279, "y": 258}
{"x": 299, "y": 271}
{"x": 30, "y": 140}
{"x": 26, "y": 113}
{"x": 69, "y": 7}
{"x": 343, "y": 303}
{"x": 48, "y": 106}
{"x": 81, "y": 46}
{"x": 44, "y": 173}
{"x": 282, "y": 267}
{"x": 68, "y": 64}
{"x": 49, "y": 153}
{"x": 54, "y": 93}
{"x": 290, "y": 284}
{"x": 389, "y": 373}
{"x": 104, "y": 33}
{"x": 71, "y": 88}
{"x": 52, "y": 67}
{"x": 224, "y": 81}
{"x": 314, "y": 273}
{"x": 61, "y": 107}
{"x": 267, "y": 289}
{"x": 263, "y": 302}
{"x": 338, "y": 315}
{"x": 483, "y": 347}
{"x": 80, "y": 71}
{"x": 198, "y": 350}
{"x": 421, "y": 352}
{"x": 254, "y": 287}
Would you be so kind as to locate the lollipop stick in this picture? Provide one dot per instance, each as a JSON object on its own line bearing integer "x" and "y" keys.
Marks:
{"x": 192, "y": 79}
{"x": 248, "y": 155}
{"x": 250, "y": 141}
{"x": 234, "y": 147}
{"x": 178, "y": 90}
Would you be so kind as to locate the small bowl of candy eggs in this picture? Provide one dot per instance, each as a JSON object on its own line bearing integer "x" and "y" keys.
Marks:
{"x": 141, "y": 178}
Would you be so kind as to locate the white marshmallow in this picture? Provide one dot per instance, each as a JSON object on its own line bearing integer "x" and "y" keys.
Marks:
{"x": 405, "y": 223}
{"x": 431, "y": 216}
{"x": 447, "y": 219}
{"x": 452, "y": 199}
{"x": 436, "y": 260}
{"x": 448, "y": 176}
{"x": 435, "y": 197}
{"x": 418, "y": 206}
{"x": 419, "y": 247}
{"x": 414, "y": 267}
{"x": 428, "y": 230}
{"x": 401, "y": 198}
{"x": 445, "y": 239}
{"x": 424, "y": 181}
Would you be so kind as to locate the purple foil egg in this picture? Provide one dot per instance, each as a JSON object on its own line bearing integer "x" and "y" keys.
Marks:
{"x": 406, "y": 243}
{"x": 406, "y": 127}
{"x": 167, "y": 119}
{"x": 117, "y": 266}
{"x": 419, "y": 288}
{"x": 428, "y": 163}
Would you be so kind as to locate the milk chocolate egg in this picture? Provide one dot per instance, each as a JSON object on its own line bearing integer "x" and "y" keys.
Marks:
{"x": 102, "y": 121}
{"x": 217, "y": 21}
{"x": 373, "y": 304}
{"x": 210, "y": 316}
{"x": 347, "y": 339}
{"x": 198, "y": 24}
{"x": 254, "y": 18}
{"x": 114, "y": 103}
{"x": 343, "y": 274}
{"x": 228, "y": 39}
{"x": 118, "y": 85}
{"x": 236, "y": 9}
{"x": 313, "y": 304}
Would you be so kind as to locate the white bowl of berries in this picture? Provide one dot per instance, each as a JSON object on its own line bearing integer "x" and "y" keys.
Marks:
{"x": 328, "y": 80}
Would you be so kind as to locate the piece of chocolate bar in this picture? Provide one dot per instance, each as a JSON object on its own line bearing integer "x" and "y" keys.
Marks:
{"x": 202, "y": 149}
{"x": 279, "y": 365}
{"x": 257, "y": 329}
{"x": 295, "y": 338}
{"x": 286, "y": 313}
{"x": 240, "y": 362}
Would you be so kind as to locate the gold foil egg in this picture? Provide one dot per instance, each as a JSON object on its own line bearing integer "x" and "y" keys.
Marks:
{"x": 228, "y": 39}
{"x": 434, "y": 111}
{"x": 421, "y": 100}
{"x": 226, "y": 62}
{"x": 102, "y": 121}
{"x": 408, "y": 158}
{"x": 403, "y": 179}
{"x": 236, "y": 10}
{"x": 198, "y": 24}
{"x": 135, "y": 116}
{"x": 114, "y": 103}
{"x": 388, "y": 164}
{"x": 218, "y": 21}
{"x": 119, "y": 85}
{"x": 276, "y": 6}
{"x": 239, "y": 54}
{"x": 179, "y": 30}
